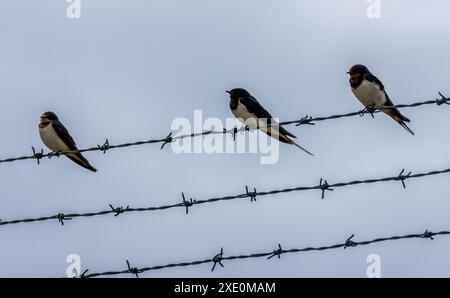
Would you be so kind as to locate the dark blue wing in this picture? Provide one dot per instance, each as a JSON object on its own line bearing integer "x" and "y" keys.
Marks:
{"x": 253, "y": 106}
{"x": 371, "y": 78}
{"x": 62, "y": 132}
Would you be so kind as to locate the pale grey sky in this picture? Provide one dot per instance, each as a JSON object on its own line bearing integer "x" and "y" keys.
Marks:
{"x": 126, "y": 69}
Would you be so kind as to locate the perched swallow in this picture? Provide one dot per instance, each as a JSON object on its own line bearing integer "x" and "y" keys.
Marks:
{"x": 56, "y": 137}
{"x": 250, "y": 112}
{"x": 369, "y": 90}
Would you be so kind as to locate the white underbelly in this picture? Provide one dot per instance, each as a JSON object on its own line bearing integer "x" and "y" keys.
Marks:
{"x": 369, "y": 94}
{"x": 51, "y": 139}
{"x": 243, "y": 115}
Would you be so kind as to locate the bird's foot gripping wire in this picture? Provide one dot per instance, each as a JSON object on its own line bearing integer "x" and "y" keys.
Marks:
{"x": 234, "y": 131}
{"x": 54, "y": 153}
{"x": 370, "y": 109}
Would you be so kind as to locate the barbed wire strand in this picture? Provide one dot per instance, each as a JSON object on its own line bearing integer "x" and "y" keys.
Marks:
{"x": 307, "y": 120}
{"x": 323, "y": 186}
{"x": 219, "y": 258}
{"x": 369, "y": 110}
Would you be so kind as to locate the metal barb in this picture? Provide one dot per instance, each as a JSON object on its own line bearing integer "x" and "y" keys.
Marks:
{"x": 349, "y": 242}
{"x": 167, "y": 140}
{"x": 105, "y": 147}
{"x": 61, "y": 218}
{"x": 276, "y": 252}
{"x": 83, "y": 275}
{"x": 324, "y": 186}
{"x": 133, "y": 270}
{"x": 252, "y": 194}
{"x": 428, "y": 234}
{"x": 118, "y": 210}
{"x": 402, "y": 177}
{"x": 217, "y": 259}
{"x": 234, "y": 133}
{"x": 305, "y": 120}
{"x": 187, "y": 203}
{"x": 37, "y": 155}
{"x": 442, "y": 100}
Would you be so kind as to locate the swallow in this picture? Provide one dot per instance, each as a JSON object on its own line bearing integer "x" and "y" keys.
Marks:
{"x": 56, "y": 137}
{"x": 369, "y": 90}
{"x": 249, "y": 111}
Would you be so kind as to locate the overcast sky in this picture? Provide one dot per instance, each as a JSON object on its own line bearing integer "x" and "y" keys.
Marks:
{"x": 126, "y": 69}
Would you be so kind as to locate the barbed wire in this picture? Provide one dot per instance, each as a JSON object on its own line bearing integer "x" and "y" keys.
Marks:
{"x": 307, "y": 120}
{"x": 323, "y": 186}
{"x": 219, "y": 258}
{"x": 369, "y": 110}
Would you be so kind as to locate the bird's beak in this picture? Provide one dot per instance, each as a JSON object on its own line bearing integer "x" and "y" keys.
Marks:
{"x": 348, "y": 72}
{"x": 229, "y": 92}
